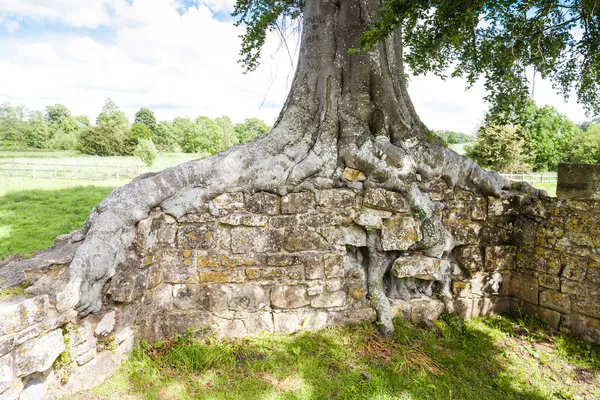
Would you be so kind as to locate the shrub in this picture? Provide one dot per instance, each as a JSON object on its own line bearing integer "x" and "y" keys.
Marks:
{"x": 146, "y": 151}
{"x": 100, "y": 141}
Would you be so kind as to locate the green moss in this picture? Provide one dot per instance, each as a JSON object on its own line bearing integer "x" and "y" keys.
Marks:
{"x": 16, "y": 291}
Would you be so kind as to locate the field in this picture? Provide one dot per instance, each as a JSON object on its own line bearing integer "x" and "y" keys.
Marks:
{"x": 489, "y": 358}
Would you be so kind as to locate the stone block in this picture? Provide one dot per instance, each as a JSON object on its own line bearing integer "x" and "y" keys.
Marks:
{"x": 419, "y": 267}
{"x": 555, "y": 301}
{"x": 287, "y": 297}
{"x": 578, "y": 181}
{"x": 499, "y": 258}
{"x": 354, "y": 175}
{"x": 263, "y": 203}
{"x": 279, "y": 274}
{"x": 426, "y": 311}
{"x": 205, "y": 297}
{"x": 479, "y": 209}
{"x": 336, "y": 198}
{"x": 19, "y": 313}
{"x": 334, "y": 265}
{"x": 38, "y": 354}
{"x": 256, "y": 240}
{"x": 465, "y": 233}
{"x": 300, "y": 239}
{"x": 297, "y": 203}
{"x": 549, "y": 281}
{"x": 542, "y": 260}
{"x": 327, "y": 300}
{"x": 588, "y": 305}
{"x": 469, "y": 257}
{"x": 129, "y": 281}
{"x": 286, "y": 322}
{"x": 574, "y": 267}
{"x": 384, "y": 200}
{"x": 34, "y": 389}
{"x": 106, "y": 325}
{"x": 287, "y": 259}
{"x": 229, "y": 201}
{"x": 226, "y": 259}
{"x": 198, "y": 236}
{"x": 259, "y": 323}
{"x": 222, "y": 275}
{"x": 399, "y": 233}
{"x": 584, "y": 327}
{"x": 177, "y": 266}
{"x": 314, "y": 271}
{"x": 524, "y": 287}
{"x": 245, "y": 219}
{"x": 249, "y": 298}
{"x": 6, "y": 372}
{"x": 551, "y": 317}
{"x": 314, "y": 320}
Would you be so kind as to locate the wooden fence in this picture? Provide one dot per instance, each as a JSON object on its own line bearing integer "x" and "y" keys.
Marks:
{"x": 540, "y": 177}
{"x": 70, "y": 171}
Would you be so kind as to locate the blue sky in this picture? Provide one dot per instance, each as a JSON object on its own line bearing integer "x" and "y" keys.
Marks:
{"x": 177, "y": 57}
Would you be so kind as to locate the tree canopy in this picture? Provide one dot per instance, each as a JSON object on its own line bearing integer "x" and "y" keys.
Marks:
{"x": 497, "y": 40}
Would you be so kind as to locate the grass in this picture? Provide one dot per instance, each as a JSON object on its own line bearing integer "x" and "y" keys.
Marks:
{"x": 548, "y": 187}
{"x": 489, "y": 358}
{"x": 31, "y": 219}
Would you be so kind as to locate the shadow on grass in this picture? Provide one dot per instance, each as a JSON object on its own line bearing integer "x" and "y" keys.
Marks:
{"x": 455, "y": 361}
{"x": 31, "y": 219}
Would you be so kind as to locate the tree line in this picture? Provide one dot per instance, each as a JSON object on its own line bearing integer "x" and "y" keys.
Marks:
{"x": 112, "y": 134}
{"x": 534, "y": 139}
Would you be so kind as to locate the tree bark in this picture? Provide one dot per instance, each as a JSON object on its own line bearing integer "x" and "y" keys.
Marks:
{"x": 342, "y": 111}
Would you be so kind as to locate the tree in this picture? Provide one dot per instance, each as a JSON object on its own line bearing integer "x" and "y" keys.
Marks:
{"x": 36, "y": 131}
{"x": 112, "y": 118}
{"x": 99, "y": 141}
{"x": 83, "y": 120}
{"x": 229, "y": 136}
{"x": 586, "y": 149}
{"x": 499, "y": 147}
{"x": 12, "y": 126}
{"x": 146, "y": 151}
{"x": 56, "y": 114}
{"x": 251, "y": 128}
{"x": 451, "y": 137}
{"x": 206, "y": 137}
{"x": 146, "y": 116}
{"x": 348, "y": 107}
{"x": 165, "y": 136}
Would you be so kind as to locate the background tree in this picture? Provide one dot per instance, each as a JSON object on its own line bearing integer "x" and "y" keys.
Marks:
{"x": 146, "y": 116}
{"x": 251, "y": 128}
{"x": 586, "y": 149}
{"x": 12, "y": 126}
{"x": 499, "y": 147}
{"x": 113, "y": 119}
{"x": 36, "y": 132}
{"x": 229, "y": 136}
{"x": 146, "y": 151}
{"x": 451, "y": 137}
{"x": 56, "y": 114}
{"x": 205, "y": 137}
{"x": 100, "y": 141}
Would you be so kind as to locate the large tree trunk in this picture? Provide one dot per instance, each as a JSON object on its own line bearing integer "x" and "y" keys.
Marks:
{"x": 342, "y": 111}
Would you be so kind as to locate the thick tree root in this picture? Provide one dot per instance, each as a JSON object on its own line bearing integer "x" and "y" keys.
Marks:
{"x": 379, "y": 262}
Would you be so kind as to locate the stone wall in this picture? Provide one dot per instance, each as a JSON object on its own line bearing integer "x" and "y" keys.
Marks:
{"x": 252, "y": 263}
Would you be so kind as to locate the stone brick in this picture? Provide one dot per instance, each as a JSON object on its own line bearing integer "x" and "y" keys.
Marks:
{"x": 38, "y": 354}
{"x": 314, "y": 271}
{"x": 551, "y": 317}
{"x": 384, "y": 200}
{"x": 555, "y": 301}
{"x": 299, "y": 239}
{"x": 287, "y": 259}
{"x": 222, "y": 275}
{"x": 177, "y": 266}
{"x": 426, "y": 311}
{"x": 465, "y": 233}
{"x": 426, "y": 268}
{"x": 524, "y": 287}
{"x": 286, "y": 322}
{"x": 198, "y": 236}
{"x": 499, "y": 258}
{"x": 479, "y": 209}
{"x": 281, "y": 274}
{"x": 259, "y": 240}
{"x": 399, "y": 233}
{"x": 584, "y": 327}
{"x": 332, "y": 299}
{"x": 207, "y": 297}
{"x": 19, "y": 313}
{"x": 336, "y": 198}
{"x": 574, "y": 267}
{"x": 249, "y": 297}
{"x": 540, "y": 259}
{"x": 578, "y": 181}
{"x": 334, "y": 284}
{"x": 260, "y": 323}
{"x": 469, "y": 257}
{"x": 6, "y": 372}
{"x": 226, "y": 259}
{"x": 296, "y": 203}
{"x": 334, "y": 265}
{"x": 244, "y": 219}
{"x": 353, "y": 175}
{"x": 129, "y": 281}
{"x": 263, "y": 203}
{"x": 549, "y": 281}
{"x": 229, "y": 201}
{"x": 289, "y": 297}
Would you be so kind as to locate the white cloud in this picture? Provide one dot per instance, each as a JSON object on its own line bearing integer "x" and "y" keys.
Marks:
{"x": 89, "y": 14}
{"x": 218, "y": 5}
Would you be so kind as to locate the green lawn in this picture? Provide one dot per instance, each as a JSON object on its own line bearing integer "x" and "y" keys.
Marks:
{"x": 31, "y": 219}
{"x": 490, "y": 358}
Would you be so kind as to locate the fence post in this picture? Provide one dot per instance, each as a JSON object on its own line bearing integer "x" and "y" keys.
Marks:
{"x": 34, "y": 170}
{"x": 117, "y": 172}
{"x": 542, "y": 177}
{"x": 522, "y": 176}
{"x": 76, "y": 170}
{"x": 96, "y": 172}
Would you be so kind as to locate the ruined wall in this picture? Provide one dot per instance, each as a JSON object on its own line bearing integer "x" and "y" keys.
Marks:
{"x": 252, "y": 263}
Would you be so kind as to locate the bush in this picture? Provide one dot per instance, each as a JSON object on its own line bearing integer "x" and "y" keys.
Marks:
{"x": 146, "y": 151}
{"x": 62, "y": 141}
{"x": 500, "y": 148}
{"x": 99, "y": 141}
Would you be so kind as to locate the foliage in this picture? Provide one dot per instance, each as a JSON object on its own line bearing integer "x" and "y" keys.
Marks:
{"x": 206, "y": 137}
{"x": 31, "y": 219}
{"x": 451, "y": 137}
{"x": 547, "y": 134}
{"x": 12, "y": 126}
{"x": 113, "y": 119}
{"x": 36, "y": 132}
{"x": 499, "y": 147}
{"x": 100, "y": 141}
{"x": 457, "y": 360}
{"x": 57, "y": 114}
{"x": 586, "y": 149}
{"x": 62, "y": 141}
{"x": 229, "y": 137}
{"x": 499, "y": 40}
{"x": 146, "y": 116}
{"x": 251, "y": 128}
{"x": 146, "y": 151}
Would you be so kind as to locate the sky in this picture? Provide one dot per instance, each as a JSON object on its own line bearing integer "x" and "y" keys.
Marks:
{"x": 179, "y": 58}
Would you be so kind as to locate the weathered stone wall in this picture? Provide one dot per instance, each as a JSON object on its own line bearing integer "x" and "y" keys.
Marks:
{"x": 251, "y": 263}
